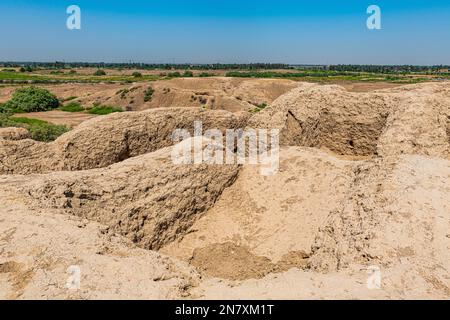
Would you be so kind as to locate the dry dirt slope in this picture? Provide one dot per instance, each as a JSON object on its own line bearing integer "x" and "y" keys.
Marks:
{"x": 363, "y": 182}
{"x": 217, "y": 93}
{"x": 103, "y": 141}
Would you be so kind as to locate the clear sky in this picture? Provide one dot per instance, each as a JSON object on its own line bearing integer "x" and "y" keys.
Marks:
{"x": 232, "y": 31}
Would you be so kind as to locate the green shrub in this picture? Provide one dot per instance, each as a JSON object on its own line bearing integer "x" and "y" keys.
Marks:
{"x": 205, "y": 74}
{"x": 100, "y": 72}
{"x": 4, "y": 120}
{"x": 39, "y": 130}
{"x": 103, "y": 110}
{"x": 188, "y": 74}
{"x": 123, "y": 93}
{"x": 260, "y": 107}
{"x": 148, "y": 94}
{"x": 137, "y": 74}
{"x": 46, "y": 132}
{"x": 3, "y": 108}
{"x": 174, "y": 74}
{"x": 72, "y": 107}
{"x": 32, "y": 99}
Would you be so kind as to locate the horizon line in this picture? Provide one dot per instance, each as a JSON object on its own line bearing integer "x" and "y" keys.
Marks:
{"x": 222, "y": 63}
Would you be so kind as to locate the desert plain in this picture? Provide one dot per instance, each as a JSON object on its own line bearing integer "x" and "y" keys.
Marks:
{"x": 363, "y": 186}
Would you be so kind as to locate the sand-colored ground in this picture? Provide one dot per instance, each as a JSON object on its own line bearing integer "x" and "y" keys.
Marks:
{"x": 232, "y": 94}
{"x": 362, "y": 192}
{"x": 365, "y": 86}
{"x": 70, "y": 119}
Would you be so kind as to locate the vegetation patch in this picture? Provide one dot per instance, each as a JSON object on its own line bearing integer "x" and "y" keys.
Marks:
{"x": 25, "y": 78}
{"x": 205, "y": 74}
{"x": 26, "y": 69}
{"x": 260, "y": 107}
{"x": 148, "y": 94}
{"x": 72, "y": 107}
{"x": 31, "y": 99}
{"x": 103, "y": 110}
{"x": 39, "y": 130}
{"x": 100, "y": 72}
{"x": 175, "y": 74}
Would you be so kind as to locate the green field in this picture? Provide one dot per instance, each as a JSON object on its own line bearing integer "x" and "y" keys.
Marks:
{"x": 39, "y": 130}
{"x": 8, "y": 77}
{"x": 334, "y": 76}
{"x": 20, "y": 78}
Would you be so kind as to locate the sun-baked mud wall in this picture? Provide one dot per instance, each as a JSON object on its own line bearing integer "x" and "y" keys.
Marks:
{"x": 103, "y": 141}
{"x": 147, "y": 198}
{"x": 328, "y": 117}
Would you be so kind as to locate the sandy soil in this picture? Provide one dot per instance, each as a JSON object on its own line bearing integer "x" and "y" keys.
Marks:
{"x": 366, "y": 86}
{"x": 362, "y": 193}
{"x": 232, "y": 94}
{"x": 71, "y": 119}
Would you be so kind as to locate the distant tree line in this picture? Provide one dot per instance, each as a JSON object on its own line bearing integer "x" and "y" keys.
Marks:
{"x": 389, "y": 69}
{"x": 144, "y": 66}
{"x": 386, "y": 69}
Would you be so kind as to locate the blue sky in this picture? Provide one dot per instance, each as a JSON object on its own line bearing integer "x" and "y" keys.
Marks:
{"x": 200, "y": 31}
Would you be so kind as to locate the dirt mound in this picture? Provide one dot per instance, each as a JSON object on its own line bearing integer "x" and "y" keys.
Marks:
{"x": 417, "y": 125}
{"x": 328, "y": 117}
{"x": 405, "y": 120}
{"x": 344, "y": 204}
{"x": 148, "y": 198}
{"x": 380, "y": 212}
{"x": 14, "y": 133}
{"x": 397, "y": 209}
{"x": 39, "y": 247}
{"x": 212, "y": 93}
{"x": 106, "y": 140}
{"x": 273, "y": 216}
{"x": 238, "y": 263}
{"x": 231, "y": 262}
{"x": 217, "y": 93}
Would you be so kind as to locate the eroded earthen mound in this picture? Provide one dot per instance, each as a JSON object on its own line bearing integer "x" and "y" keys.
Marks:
{"x": 14, "y": 133}
{"x": 273, "y": 216}
{"x": 329, "y": 117}
{"x": 147, "y": 198}
{"x": 103, "y": 141}
{"x": 361, "y": 124}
